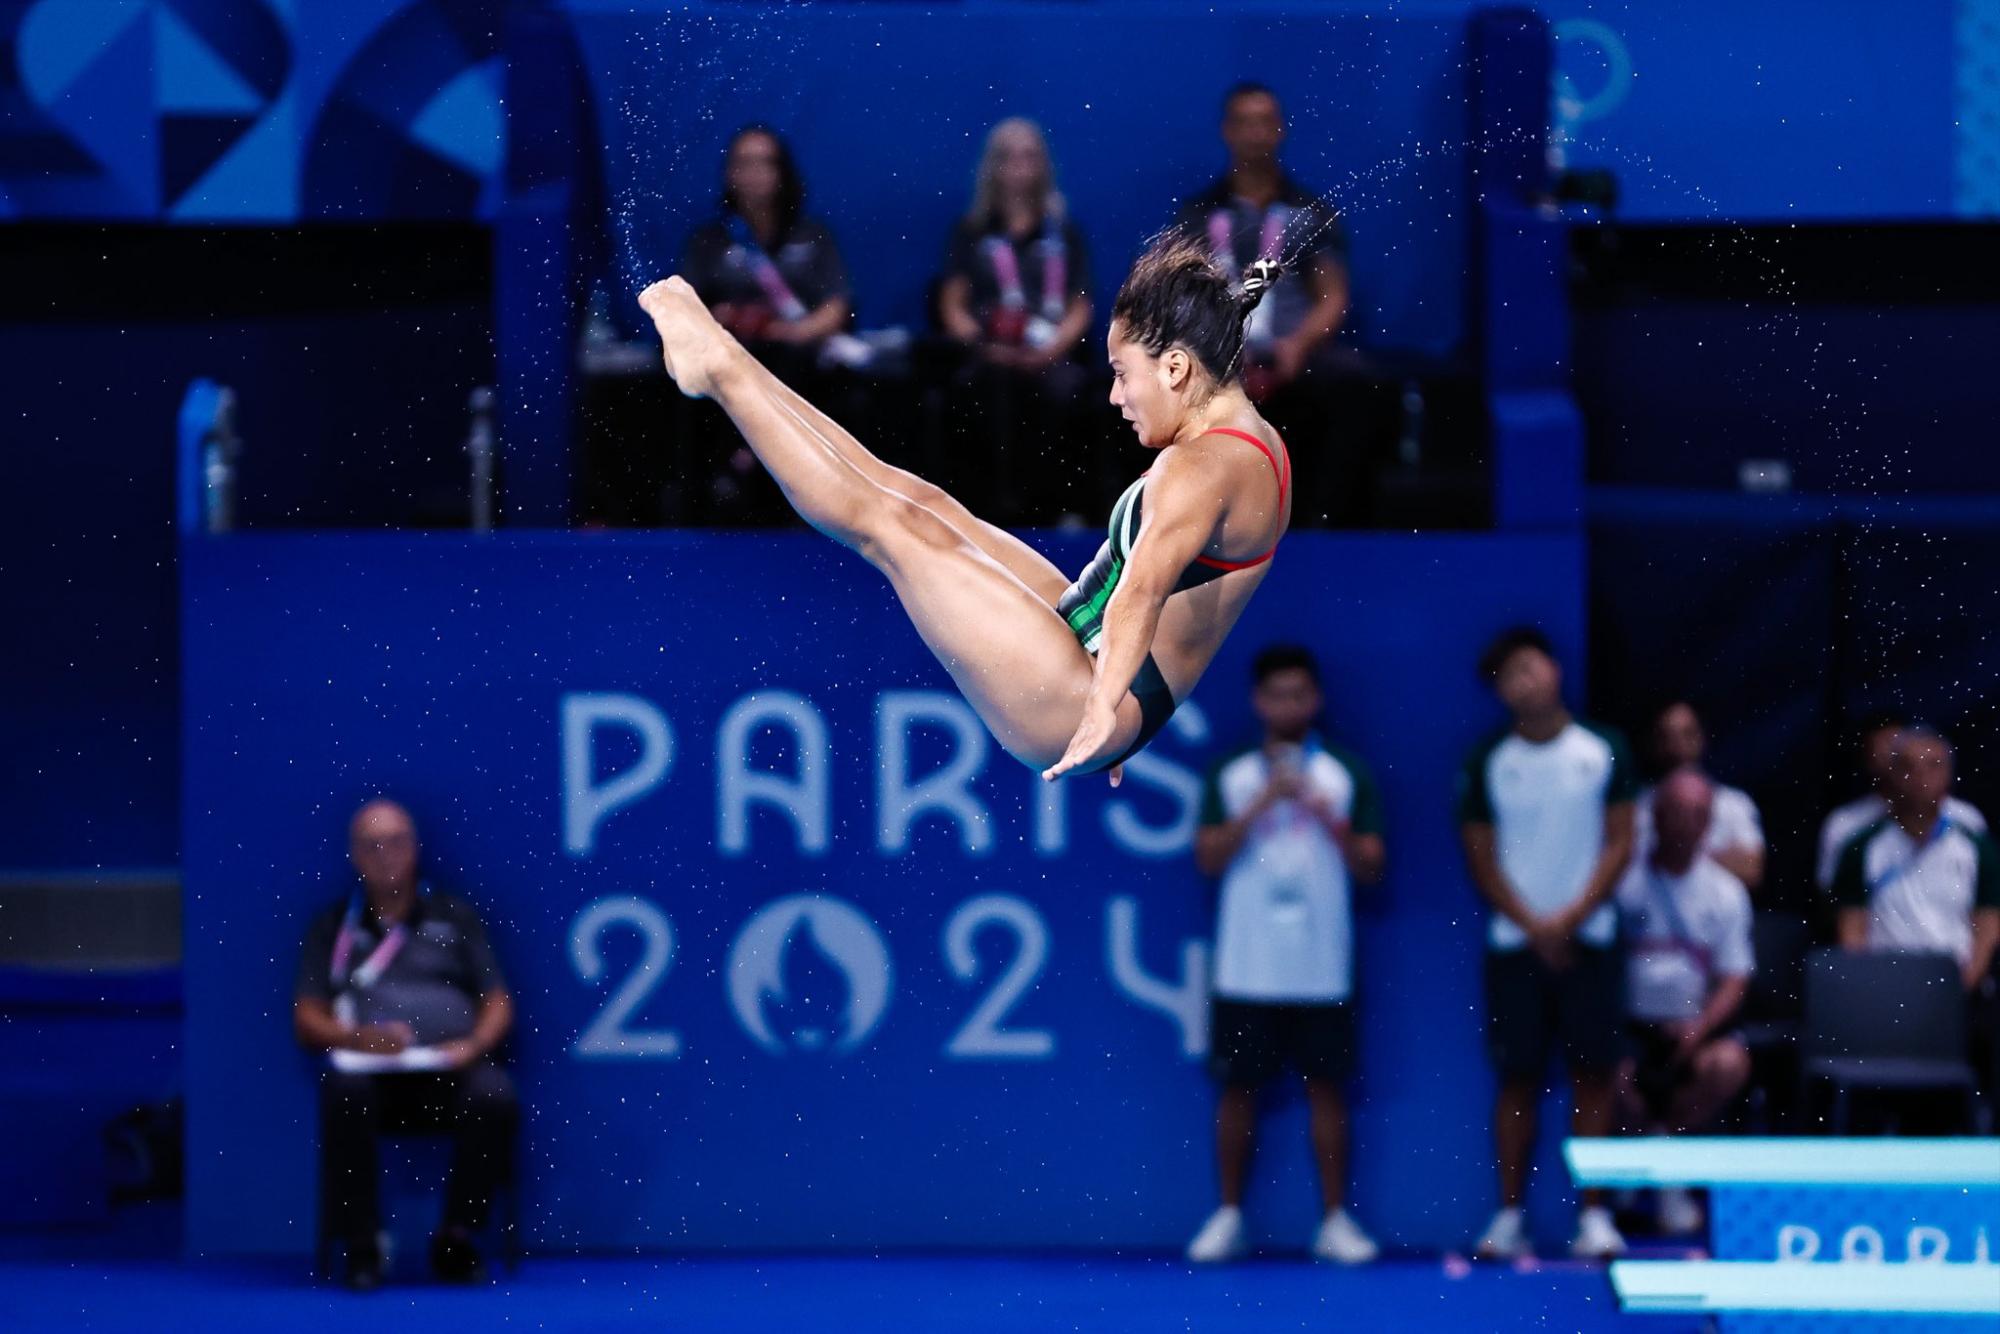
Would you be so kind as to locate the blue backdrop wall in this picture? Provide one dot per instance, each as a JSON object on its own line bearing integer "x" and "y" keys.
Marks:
{"x": 1786, "y": 110}
{"x": 240, "y": 110}
{"x": 803, "y": 959}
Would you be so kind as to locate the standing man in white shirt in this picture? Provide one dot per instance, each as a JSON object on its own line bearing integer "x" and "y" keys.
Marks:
{"x": 1688, "y": 963}
{"x": 1545, "y": 814}
{"x": 1878, "y": 746}
{"x": 1735, "y": 830}
{"x": 1289, "y": 824}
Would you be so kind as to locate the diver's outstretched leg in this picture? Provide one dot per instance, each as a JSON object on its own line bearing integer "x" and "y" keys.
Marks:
{"x": 1013, "y": 658}
{"x": 1022, "y": 560}
{"x": 1028, "y": 565}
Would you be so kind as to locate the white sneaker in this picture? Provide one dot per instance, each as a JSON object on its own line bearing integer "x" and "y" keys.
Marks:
{"x": 1342, "y": 1241}
{"x": 1678, "y": 1214}
{"x": 1220, "y": 1239}
{"x": 1505, "y": 1238}
{"x": 1596, "y": 1235}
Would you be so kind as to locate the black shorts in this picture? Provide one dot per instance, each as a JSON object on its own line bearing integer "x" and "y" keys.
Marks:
{"x": 1529, "y": 1007}
{"x": 1251, "y": 1042}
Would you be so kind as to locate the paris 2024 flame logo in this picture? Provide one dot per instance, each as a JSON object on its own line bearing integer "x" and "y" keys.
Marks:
{"x": 809, "y": 973}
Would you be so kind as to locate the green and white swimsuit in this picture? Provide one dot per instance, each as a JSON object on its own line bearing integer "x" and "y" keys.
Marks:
{"x": 1082, "y": 604}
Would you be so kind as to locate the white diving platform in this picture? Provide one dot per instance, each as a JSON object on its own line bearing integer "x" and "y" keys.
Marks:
{"x": 1661, "y": 1160}
{"x": 1689, "y": 1287}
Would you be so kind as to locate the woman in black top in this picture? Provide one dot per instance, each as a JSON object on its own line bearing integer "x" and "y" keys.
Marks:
{"x": 768, "y": 272}
{"x": 773, "y": 277}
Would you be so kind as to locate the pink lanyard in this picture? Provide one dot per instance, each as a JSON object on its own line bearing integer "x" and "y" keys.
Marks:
{"x": 766, "y": 273}
{"x": 1222, "y": 235}
{"x": 378, "y": 960}
{"x": 788, "y": 306}
{"x": 1681, "y": 940}
{"x": 1007, "y": 271}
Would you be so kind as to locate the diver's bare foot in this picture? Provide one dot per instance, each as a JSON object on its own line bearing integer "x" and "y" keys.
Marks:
{"x": 692, "y": 342}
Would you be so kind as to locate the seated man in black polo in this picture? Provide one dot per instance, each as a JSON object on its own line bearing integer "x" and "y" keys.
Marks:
{"x": 400, "y": 987}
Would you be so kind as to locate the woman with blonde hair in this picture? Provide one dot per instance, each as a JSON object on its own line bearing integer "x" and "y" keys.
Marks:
{"x": 1017, "y": 281}
{"x": 1015, "y": 298}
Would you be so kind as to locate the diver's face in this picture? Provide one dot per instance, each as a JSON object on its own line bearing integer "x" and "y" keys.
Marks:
{"x": 1142, "y": 387}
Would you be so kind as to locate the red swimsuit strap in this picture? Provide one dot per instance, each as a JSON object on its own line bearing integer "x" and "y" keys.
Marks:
{"x": 1283, "y": 473}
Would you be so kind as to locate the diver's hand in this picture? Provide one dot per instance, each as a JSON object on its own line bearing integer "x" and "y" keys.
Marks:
{"x": 1095, "y": 734}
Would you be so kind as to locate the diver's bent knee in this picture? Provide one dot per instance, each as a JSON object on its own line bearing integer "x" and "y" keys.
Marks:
{"x": 927, "y": 494}
{"x": 891, "y": 529}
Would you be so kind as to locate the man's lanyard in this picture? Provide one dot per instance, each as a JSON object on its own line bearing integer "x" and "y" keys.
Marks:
{"x": 1659, "y": 893}
{"x": 1259, "y": 332}
{"x": 1903, "y": 869}
{"x": 1055, "y": 273}
{"x": 1222, "y": 235}
{"x": 370, "y": 970}
{"x": 788, "y": 306}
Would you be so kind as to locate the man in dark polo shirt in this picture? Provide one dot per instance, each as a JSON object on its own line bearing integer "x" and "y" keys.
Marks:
{"x": 400, "y": 988}
{"x": 1320, "y": 394}
{"x": 1256, "y": 210}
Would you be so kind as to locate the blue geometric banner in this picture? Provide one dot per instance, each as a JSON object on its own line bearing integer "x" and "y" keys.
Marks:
{"x": 249, "y": 110}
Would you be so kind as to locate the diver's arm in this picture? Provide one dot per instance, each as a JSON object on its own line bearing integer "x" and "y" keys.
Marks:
{"x": 1182, "y": 512}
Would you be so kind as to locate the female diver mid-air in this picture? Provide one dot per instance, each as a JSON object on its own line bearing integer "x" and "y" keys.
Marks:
{"x": 1068, "y": 676}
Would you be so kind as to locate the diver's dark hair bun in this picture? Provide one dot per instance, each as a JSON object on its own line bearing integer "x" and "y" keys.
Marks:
{"x": 1178, "y": 294}
{"x": 1259, "y": 278}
